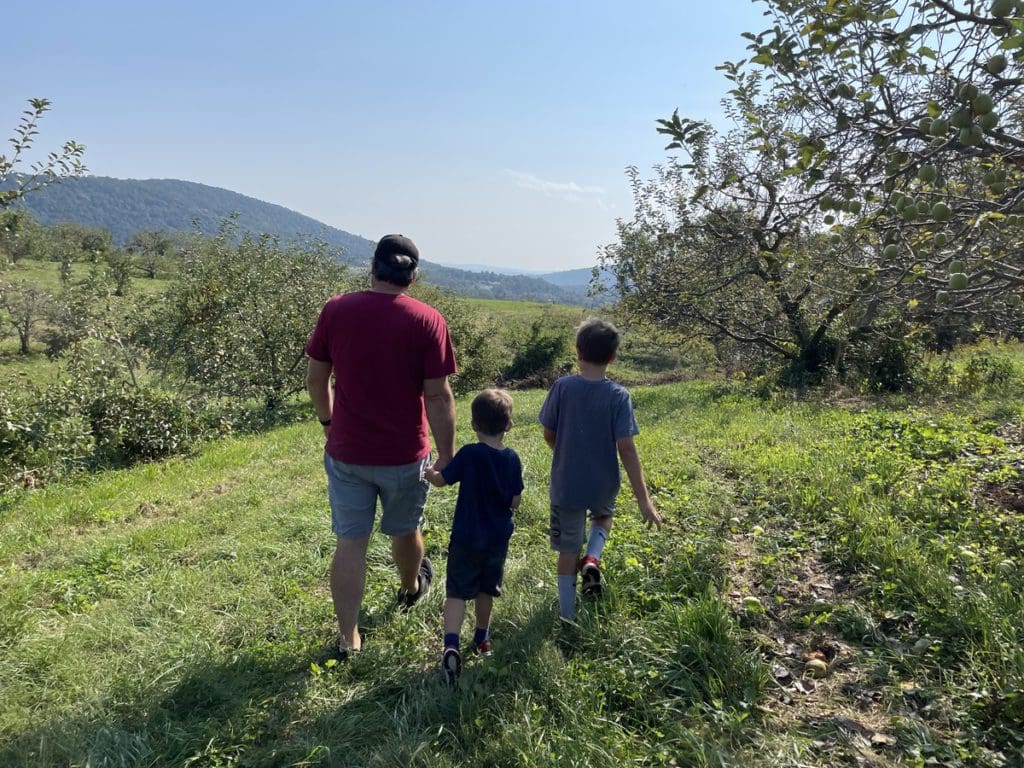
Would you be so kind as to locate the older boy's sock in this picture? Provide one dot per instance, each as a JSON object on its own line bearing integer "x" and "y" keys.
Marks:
{"x": 480, "y": 635}
{"x": 598, "y": 538}
{"x": 451, "y": 640}
{"x": 567, "y": 596}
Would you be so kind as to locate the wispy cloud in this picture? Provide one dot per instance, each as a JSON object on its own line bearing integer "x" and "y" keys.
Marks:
{"x": 563, "y": 190}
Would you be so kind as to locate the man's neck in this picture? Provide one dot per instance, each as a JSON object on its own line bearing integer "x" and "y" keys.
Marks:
{"x": 382, "y": 286}
{"x": 592, "y": 371}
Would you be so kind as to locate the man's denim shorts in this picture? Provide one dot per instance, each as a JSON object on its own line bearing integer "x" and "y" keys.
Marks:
{"x": 353, "y": 490}
{"x": 568, "y": 526}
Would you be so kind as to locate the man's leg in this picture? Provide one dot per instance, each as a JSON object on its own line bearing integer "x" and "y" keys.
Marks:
{"x": 348, "y": 579}
{"x": 407, "y": 552}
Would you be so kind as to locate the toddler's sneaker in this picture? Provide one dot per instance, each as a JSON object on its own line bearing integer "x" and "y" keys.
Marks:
{"x": 451, "y": 667}
{"x": 484, "y": 648}
{"x": 590, "y": 576}
{"x": 406, "y": 599}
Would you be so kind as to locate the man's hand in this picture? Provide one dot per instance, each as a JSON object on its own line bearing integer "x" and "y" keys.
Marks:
{"x": 649, "y": 514}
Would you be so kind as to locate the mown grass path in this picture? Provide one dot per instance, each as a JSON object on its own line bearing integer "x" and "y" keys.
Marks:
{"x": 178, "y": 614}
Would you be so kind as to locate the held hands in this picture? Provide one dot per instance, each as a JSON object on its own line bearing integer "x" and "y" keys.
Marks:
{"x": 649, "y": 513}
{"x": 434, "y": 477}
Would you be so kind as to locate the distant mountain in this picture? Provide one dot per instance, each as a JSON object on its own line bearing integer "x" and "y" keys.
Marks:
{"x": 127, "y": 206}
{"x": 576, "y": 280}
{"x": 495, "y": 270}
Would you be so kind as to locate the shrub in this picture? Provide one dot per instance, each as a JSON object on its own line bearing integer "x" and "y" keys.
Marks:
{"x": 38, "y": 445}
{"x": 885, "y": 359}
{"x": 543, "y": 354}
{"x": 94, "y": 418}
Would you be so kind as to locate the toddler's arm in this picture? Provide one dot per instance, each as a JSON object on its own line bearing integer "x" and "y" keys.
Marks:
{"x": 434, "y": 477}
{"x": 549, "y": 438}
{"x": 515, "y": 502}
{"x": 631, "y": 463}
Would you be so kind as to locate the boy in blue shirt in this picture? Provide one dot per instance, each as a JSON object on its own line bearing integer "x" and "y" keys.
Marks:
{"x": 490, "y": 478}
{"x": 589, "y": 425}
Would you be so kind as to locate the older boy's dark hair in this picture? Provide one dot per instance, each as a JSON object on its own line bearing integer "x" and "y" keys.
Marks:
{"x": 597, "y": 341}
{"x": 492, "y": 412}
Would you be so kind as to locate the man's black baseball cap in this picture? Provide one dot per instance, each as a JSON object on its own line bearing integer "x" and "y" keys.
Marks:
{"x": 391, "y": 246}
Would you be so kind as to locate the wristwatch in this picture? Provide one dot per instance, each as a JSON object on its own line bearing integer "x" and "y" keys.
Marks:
{"x": 325, "y": 422}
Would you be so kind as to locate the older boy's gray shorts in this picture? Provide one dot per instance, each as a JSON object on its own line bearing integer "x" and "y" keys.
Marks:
{"x": 353, "y": 490}
{"x": 568, "y": 526}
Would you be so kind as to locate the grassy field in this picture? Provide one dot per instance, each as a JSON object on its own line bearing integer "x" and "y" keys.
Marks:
{"x": 178, "y": 614}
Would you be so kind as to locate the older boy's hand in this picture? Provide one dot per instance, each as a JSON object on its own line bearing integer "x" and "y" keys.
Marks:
{"x": 650, "y": 514}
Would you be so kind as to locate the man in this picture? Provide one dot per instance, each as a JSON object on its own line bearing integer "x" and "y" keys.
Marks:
{"x": 391, "y": 356}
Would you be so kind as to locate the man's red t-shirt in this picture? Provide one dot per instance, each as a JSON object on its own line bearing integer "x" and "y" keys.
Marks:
{"x": 382, "y": 346}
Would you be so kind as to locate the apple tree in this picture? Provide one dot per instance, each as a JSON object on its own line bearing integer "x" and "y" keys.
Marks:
{"x": 236, "y": 321}
{"x": 871, "y": 181}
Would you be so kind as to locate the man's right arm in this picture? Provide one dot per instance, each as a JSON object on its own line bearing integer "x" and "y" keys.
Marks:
{"x": 318, "y": 384}
{"x": 440, "y": 406}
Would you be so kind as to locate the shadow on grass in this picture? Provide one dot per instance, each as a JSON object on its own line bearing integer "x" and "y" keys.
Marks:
{"x": 266, "y": 706}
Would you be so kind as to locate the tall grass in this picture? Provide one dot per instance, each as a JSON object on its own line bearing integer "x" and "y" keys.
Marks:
{"x": 178, "y": 614}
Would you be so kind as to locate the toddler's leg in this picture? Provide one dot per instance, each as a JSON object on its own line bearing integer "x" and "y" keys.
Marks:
{"x": 482, "y": 635}
{"x": 454, "y": 613}
{"x": 484, "y": 604}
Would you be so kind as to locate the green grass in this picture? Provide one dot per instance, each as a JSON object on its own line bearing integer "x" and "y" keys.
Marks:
{"x": 178, "y": 614}
{"x": 46, "y": 274}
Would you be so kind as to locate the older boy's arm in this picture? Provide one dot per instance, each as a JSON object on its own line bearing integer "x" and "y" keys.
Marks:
{"x": 515, "y": 502}
{"x": 549, "y": 438}
{"x": 631, "y": 463}
{"x": 318, "y": 384}
{"x": 440, "y": 406}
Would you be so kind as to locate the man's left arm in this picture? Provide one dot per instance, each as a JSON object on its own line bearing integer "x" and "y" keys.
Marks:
{"x": 318, "y": 385}
{"x": 440, "y": 406}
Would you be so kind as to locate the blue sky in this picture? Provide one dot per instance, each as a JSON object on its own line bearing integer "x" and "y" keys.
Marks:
{"x": 489, "y": 133}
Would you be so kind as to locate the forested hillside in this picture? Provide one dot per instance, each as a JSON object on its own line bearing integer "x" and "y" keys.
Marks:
{"x": 125, "y": 207}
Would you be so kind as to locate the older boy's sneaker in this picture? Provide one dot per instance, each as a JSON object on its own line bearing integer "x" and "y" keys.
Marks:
{"x": 590, "y": 576}
{"x": 484, "y": 648}
{"x": 406, "y": 599}
{"x": 451, "y": 667}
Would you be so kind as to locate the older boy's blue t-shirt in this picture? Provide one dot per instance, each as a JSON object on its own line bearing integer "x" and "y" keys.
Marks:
{"x": 488, "y": 479}
{"x": 588, "y": 417}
